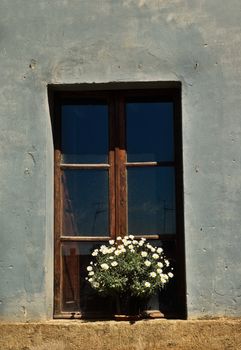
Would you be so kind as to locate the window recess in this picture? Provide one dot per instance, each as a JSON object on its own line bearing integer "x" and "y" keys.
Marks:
{"x": 118, "y": 171}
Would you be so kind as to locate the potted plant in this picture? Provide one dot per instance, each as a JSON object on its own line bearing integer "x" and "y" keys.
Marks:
{"x": 130, "y": 271}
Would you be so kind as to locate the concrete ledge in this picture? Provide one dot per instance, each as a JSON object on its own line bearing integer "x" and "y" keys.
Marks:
{"x": 110, "y": 335}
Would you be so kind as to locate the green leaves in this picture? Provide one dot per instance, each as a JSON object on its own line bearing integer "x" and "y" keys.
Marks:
{"x": 128, "y": 266}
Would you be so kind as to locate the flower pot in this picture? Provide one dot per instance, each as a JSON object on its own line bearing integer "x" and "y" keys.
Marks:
{"x": 129, "y": 308}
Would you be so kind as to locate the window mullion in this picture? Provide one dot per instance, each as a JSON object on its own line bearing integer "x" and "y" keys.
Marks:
{"x": 120, "y": 152}
{"x": 112, "y": 189}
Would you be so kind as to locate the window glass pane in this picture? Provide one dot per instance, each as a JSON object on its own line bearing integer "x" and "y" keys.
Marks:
{"x": 77, "y": 293}
{"x": 151, "y": 200}
{"x": 85, "y": 202}
{"x": 149, "y": 131}
{"x": 85, "y": 133}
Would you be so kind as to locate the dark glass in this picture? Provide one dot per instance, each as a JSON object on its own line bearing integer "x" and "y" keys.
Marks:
{"x": 151, "y": 200}
{"x": 78, "y": 296}
{"x": 85, "y": 202}
{"x": 84, "y": 135}
{"x": 149, "y": 128}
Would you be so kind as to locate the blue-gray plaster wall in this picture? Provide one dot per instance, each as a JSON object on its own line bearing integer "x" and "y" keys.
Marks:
{"x": 196, "y": 42}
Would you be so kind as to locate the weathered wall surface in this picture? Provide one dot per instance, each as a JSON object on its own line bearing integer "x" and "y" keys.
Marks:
{"x": 196, "y": 42}
{"x": 218, "y": 334}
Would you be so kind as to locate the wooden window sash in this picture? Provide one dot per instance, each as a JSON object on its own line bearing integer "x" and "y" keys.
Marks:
{"x": 120, "y": 160}
{"x": 150, "y": 164}
{"x": 161, "y": 237}
{"x": 117, "y": 168}
{"x": 84, "y": 166}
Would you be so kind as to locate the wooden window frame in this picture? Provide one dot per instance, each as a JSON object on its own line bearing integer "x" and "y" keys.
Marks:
{"x": 117, "y": 167}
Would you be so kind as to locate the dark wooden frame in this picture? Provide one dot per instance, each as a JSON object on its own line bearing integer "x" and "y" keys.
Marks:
{"x": 117, "y": 178}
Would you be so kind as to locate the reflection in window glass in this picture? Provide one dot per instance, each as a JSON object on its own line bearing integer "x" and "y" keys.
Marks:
{"x": 84, "y": 133}
{"x": 85, "y": 202}
{"x": 149, "y": 131}
{"x": 77, "y": 293}
{"x": 151, "y": 200}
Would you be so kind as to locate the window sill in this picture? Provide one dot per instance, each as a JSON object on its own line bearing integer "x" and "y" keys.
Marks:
{"x": 144, "y": 334}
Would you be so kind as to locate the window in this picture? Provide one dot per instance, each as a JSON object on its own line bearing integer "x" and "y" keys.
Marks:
{"x": 117, "y": 171}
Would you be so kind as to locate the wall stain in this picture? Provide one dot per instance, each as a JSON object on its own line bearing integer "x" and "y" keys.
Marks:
{"x": 32, "y": 64}
{"x": 32, "y": 157}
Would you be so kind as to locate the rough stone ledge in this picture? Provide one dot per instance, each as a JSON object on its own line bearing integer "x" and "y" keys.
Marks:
{"x": 218, "y": 334}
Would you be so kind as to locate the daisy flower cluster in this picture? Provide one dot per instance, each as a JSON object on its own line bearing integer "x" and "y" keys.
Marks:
{"x": 129, "y": 266}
